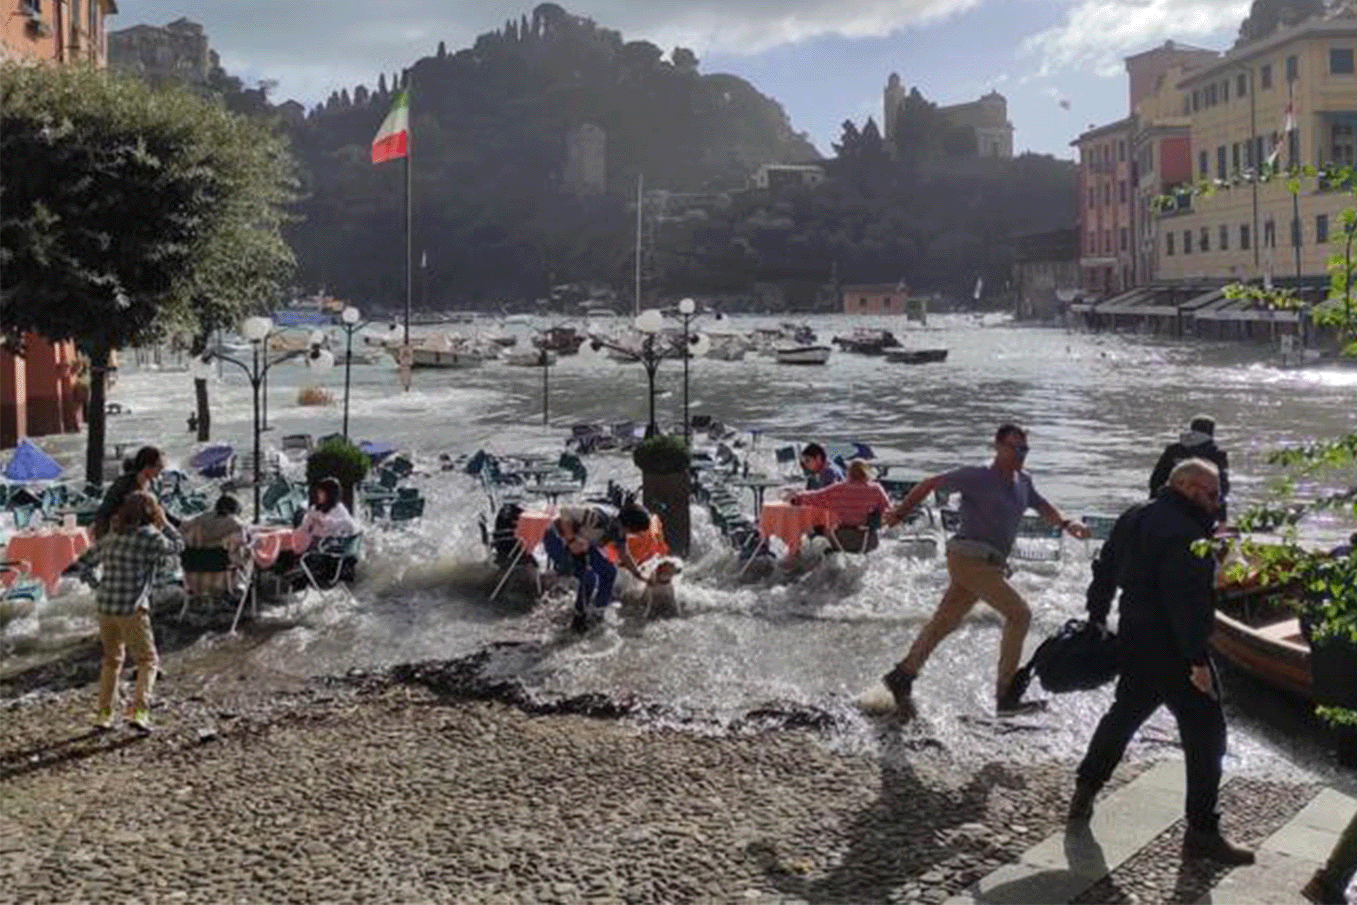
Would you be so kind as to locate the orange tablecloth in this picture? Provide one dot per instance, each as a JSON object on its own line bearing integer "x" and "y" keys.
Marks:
{"x": 531, "y": 527}
{"x": 48, "y": 552}
{"x": 270, "y": 542}
{"x": 789, "y": 523}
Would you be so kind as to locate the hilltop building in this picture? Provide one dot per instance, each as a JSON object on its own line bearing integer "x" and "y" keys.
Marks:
{"x": 987, "y": 116}
{"x": 775, "y": 176}
{"x": 38, "y": 383}
{"x": 177, "y": 52}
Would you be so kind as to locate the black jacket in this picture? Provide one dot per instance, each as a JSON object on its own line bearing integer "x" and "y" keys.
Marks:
{"x": 1177, "y": 452}
{"x": 1167, "y": 590}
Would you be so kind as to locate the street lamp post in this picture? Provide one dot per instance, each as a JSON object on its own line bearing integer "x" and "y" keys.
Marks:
{"x": 650, "y": 323}
{"x": 349, "y": 322}
{"x": 256, "y": 331}
{"x": 687, "y": 310}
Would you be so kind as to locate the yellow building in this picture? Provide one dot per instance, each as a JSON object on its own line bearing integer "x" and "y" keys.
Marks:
{"x": 1237, "y": 108}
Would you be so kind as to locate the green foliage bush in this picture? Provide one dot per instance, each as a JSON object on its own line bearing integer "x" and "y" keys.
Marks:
{"x": 338, "y": 459}
{"x": 661, "y": 454}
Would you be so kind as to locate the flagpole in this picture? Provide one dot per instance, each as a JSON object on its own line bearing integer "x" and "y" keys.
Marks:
{"x": 409, "y": 252}
{"x": 1295, "y": 196}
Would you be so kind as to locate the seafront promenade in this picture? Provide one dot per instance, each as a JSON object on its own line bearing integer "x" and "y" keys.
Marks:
{"x": 379, "y": 788}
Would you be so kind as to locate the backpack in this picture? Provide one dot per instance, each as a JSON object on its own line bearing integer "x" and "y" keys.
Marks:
{"x": 1078, "y": 657}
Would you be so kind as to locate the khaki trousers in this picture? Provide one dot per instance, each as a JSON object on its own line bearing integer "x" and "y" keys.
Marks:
{"x": 134, "y": 633}
{"x": 975, "y": 579}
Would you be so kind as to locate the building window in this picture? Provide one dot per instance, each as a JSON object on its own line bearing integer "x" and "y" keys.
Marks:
{"x": 1210, "y": 95}
{"x": 1187, "y": 105}
{"x": 1125, "y": 240}
{"x": 1234, "y": 156}
{"x": 1321, "y": 228}
{"x": 1121, "y": 152}
{"x": 1340, "y": 60}
{"x": 1092, "y": 197}
{"x": 1107, "y": 157}
{"x": 1248, "y": 154}
{"x": 1220, "y": 162}
{"x": 1196, "y": 101}
{"x": 1090, "y": 247}
{"x": 1293, "y": 146}
{"x": 1292, "y": 69}
{"x": 1121, "y": 191}
{"x": 1241, "y": 85}
{"x": 1107, "y": 193}
{"x": 1295, "y": 233}
{"x": 1206, "y": 238}
{"x": 1269, "y": 234}
{"x": 1224, "y": 237}
{"x": 1107, "y": 241}
{"x": 1342, "y": 144}
{"x": 1203, "y": 164}
{"x": 1225, "y": 91}
{"x": 1187, "y": 241}
{"x": 1168, "y": 244}
{"x": 1265, "y": 76}
{"x": 1244, "y": 236}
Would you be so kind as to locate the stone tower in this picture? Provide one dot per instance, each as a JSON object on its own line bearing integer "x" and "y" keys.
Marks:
{"x": 892, "y": 97}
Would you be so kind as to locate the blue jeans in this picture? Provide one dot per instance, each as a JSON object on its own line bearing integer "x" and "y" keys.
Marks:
{"x": 595, "y": 574}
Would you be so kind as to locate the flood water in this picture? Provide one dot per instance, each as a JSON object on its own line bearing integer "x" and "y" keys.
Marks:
{"x": 1099, "y": 409}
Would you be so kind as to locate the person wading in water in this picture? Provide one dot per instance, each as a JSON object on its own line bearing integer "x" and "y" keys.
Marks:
{"x": 993, "y": 500}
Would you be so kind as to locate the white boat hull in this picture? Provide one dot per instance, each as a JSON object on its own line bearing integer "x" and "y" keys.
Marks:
{"x": 441, "y": 358}
{"x": 804, "y": 355}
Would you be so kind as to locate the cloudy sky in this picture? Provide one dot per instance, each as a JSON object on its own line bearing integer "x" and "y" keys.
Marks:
{"x": 824, "y": 61}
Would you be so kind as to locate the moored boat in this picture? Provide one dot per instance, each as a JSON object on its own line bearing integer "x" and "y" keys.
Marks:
{"x": 561, "y": 340}
{"x": 804, "y": 355}
{"x": 1259, "y": 634}
{"x": 536, "y": 359}
{"x": 916, "y": 356}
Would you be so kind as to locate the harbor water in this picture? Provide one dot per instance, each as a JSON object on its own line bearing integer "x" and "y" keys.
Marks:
{"x": 1099, "y": 407}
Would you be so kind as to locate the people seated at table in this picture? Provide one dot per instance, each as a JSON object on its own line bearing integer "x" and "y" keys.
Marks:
{"x": 139, "y": 538}
{"x": 220, "y": 528}
{"x": 853, "y": 501}
{"x": 327, "y": 516}
{"x": 138, "y": 474}
{"x": 574, "y": 542}
{"x": 820, "y": 472}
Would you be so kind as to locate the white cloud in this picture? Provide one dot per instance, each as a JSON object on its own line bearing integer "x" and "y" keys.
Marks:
{"x": 1097, "y": 34}
{"x": 754, "y": 26}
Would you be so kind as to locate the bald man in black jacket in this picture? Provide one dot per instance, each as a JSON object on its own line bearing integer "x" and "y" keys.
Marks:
{"x": 1167, "y": 614}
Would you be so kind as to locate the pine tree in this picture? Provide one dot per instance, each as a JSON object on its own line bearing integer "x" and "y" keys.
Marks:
{"x": 442, "y": 50}
{"x": 381, "y": 85}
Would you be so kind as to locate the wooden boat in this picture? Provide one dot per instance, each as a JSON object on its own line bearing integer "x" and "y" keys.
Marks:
{"x": 804, "y": 355}
{"x": 916, "y": 356}
{"x": 867, "y": 342}
{"x": 1258, "y": 633}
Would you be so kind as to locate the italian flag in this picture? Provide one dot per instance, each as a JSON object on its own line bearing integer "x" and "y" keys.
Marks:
{"x": 393, "y": 138}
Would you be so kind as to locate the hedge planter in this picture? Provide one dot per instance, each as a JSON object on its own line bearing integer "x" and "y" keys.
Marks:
{"x": 342, "y": 461}
{"x": 666, "y": 488}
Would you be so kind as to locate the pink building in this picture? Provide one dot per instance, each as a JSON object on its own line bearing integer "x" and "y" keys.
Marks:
{"x": 875, "y": 298}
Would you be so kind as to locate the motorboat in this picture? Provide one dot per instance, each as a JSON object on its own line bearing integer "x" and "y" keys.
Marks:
{"x": 867, "y": 342}
{"x": 534, "y": 359}
{"x": 916, "y": 356}
{"x": 804, "y": 355}
{"x": 442, "y": 351}
{"x": 727, "y": 346}
{"x": 561, "y": 340}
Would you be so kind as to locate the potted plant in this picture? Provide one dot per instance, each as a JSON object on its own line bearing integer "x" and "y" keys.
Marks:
{"x": 339, "y": 459}
{"x": 665, "y": 486}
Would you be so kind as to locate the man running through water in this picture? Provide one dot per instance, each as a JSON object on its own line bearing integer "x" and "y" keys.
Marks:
{"x": 993, "y": 500}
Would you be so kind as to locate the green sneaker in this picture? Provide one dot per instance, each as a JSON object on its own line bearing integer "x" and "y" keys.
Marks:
{"x": 105, "y": 721}
{"x": 140, "y": 720}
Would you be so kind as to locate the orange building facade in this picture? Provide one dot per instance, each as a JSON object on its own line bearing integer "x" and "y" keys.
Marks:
{"x": 38, "y": 383}
{"x": 875, "y": 299}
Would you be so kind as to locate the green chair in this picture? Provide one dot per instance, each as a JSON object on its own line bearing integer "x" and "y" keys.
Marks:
{"x": 407, "y": 509}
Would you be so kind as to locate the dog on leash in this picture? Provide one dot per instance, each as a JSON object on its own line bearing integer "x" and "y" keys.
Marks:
{"x": 655, "y": 599}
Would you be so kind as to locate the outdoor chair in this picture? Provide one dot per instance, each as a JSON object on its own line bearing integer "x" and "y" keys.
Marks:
{"x": 400, "y": 466}
{"x": 332, "y": 562}
{"x": 1031, "y": 544}
{"x": 23, "y": 586}
{"x": 297, "y": 444}
{"x": 787, "y": 454}
{"x": 406, "y": 509}
{"x": 571, "y": 463}
{"x": 217, "y": 561}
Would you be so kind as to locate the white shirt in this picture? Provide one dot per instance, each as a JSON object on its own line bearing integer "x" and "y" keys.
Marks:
{"x": 335, "y": 523}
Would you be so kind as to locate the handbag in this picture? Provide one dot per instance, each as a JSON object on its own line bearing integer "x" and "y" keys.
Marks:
{"x": 1080, "y": 656}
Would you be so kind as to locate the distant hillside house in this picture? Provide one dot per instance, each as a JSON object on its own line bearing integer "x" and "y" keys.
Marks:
{"x": 988, "y": 117}
{"x": 586, "y": 162}
{"x": 177, "y": 52}
{"x": 776, "y": 176}
{"x": 876, "y": 299}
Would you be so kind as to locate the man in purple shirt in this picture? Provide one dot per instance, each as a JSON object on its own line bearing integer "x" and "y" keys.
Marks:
{"x": 993, "y": 500}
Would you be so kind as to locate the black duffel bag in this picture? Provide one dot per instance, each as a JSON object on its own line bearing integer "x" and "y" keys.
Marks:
{"x": 1079, "y": 657}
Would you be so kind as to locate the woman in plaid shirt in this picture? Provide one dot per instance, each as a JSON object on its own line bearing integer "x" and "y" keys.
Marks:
{"x": 140, "y": 538}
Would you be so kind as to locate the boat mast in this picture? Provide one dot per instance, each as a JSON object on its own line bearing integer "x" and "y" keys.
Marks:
{"x": 640, "y": 185}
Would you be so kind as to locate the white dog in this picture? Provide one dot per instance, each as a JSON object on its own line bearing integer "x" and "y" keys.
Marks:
{"x": 655, "y": 598}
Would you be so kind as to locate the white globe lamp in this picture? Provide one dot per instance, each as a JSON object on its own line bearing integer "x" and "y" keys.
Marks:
{"x": 256, "y": 329}
{"x": 350, "y": 315}
{"x": 650, "y": 321}
{"x": 687, "y": 306}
